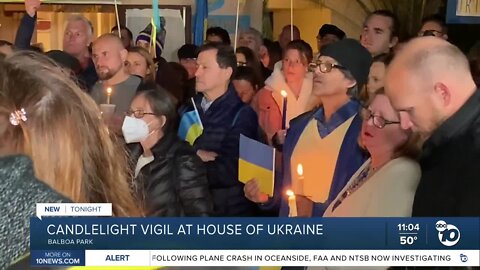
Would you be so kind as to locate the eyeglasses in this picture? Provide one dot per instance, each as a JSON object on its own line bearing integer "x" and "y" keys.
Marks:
{"x": 138, "y": 113}
{"x": 434, "y": 33}
{"x": 241, "y": 64}
{"x": 378, "y": 121}
{"x": 325, "y": 67}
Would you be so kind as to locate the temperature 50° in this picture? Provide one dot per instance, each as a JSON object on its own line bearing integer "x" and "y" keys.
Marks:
{"x": 407, "y": 240}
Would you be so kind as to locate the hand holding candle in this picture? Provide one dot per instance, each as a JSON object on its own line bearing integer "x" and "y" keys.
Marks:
{"x": 292, "y": 204}
{"x": 284, "y": 111}
{"x": 109, "y": 94}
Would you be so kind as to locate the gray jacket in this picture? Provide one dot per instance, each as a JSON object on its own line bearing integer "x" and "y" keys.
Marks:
{"x": 19, "y": 193}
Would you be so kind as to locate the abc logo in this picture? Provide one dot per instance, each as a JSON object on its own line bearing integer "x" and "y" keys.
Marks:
{"x": 448, "y": 234}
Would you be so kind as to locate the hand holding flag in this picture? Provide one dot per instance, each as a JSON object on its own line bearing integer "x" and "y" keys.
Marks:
{"x": 256, "y": 161}
{"x": 191, "y": 126}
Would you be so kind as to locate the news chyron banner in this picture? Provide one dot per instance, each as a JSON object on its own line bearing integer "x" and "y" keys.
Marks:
{"x": 107, "y": 241}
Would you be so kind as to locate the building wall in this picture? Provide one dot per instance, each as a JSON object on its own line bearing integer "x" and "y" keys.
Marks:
{"x": 310, "y": 15}
{"x": 162, "y": 2}
{"x": 251, "y": 7}
{"x": 307, "y": 20}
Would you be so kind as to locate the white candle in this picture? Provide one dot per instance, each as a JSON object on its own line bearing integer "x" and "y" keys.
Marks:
{"x": 300, "y": 179}
{"x": 109, "y": 93}
{"x": 292, "y": 204}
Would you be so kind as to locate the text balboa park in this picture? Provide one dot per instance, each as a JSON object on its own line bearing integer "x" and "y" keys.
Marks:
{"x": 185, "y": 229}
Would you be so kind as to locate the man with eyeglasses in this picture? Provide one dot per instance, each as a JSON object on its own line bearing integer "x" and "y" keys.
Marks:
{"x": 324, "y": 141}
{"x": 429, "y": 83}
{"x": 434, "y": 25}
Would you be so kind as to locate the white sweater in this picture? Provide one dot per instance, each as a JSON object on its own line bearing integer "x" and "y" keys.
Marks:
{"x": 387, "y": 193}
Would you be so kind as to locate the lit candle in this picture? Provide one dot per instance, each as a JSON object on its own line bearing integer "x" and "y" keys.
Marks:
{"x": 300, "y": 178}
{"x": 292, "y": 204}
{"x": 284, "y": 112}
{"x": 109, "y": 94}
{"x": 300, "y": 170}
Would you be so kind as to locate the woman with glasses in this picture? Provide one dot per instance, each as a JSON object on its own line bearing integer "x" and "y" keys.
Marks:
{"x": 384, "y": 186}
{"x": 291, "y": 75}
{"x": 248, "y": 58}
{"x": 169, "y": 176}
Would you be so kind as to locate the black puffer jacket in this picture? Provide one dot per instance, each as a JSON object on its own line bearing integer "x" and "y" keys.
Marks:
{"x": 175, "y": 182}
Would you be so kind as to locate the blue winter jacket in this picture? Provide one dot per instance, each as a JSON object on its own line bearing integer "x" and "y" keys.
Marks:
{"x": 223, "y": 122}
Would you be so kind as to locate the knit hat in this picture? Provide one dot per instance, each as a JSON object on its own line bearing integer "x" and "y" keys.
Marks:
{"x": 353, "y": 56}
{"x": 146, "y": 35}
{"x": 187, "y": 51}
{"x": 331, "y": 29}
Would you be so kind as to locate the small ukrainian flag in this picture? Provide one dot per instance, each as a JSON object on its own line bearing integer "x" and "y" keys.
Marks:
{"x": 190, "y": 125}
{"x": 256, "y": 160}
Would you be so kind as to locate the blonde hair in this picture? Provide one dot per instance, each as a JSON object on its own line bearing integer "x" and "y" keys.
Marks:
{"x": 63, "y": 133}
{"x": 148, "y": 58}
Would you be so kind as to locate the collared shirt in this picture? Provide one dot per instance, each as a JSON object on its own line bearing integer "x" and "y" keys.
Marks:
{"x": 348, "y": 110}
{"x": 206, "y": 104}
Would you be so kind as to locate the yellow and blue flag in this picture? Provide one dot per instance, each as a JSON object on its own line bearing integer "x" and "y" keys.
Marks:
{"x": 190, "y": 125}
{"x": 200, "y": 27}
{"x": 256, "y": 160}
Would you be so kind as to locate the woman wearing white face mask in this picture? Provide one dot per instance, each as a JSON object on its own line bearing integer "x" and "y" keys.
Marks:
{"x": 169, "y": 176}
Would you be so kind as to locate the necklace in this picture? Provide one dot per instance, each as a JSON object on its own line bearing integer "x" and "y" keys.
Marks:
{"x": 362, "y": 177}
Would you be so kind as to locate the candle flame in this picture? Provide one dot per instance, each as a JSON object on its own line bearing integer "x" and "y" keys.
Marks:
{"x": 290, "y": 193}
{"x": 300, "y": 169}
{"x": 283, "y": 93}
{"x": 109, "y": 91}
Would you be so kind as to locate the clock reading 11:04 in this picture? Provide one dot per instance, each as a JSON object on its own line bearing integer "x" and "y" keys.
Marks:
{"x": 408, "y": 227}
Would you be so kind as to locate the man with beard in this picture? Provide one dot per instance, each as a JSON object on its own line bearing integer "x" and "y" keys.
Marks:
{"x": 109, "y": 57}
{"x": 430, "y": 85}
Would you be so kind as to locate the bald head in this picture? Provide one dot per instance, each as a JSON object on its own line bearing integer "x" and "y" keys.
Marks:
{"x": 433, "y": 58}
{"x": 286, "y": 35}
{"x": 427, "y": 82}
{"x": 109, "y": 57}
{"x": 111, "y": 39}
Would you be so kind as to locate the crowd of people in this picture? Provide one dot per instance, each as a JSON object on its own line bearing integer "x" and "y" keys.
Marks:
{"x": 379, "y": 126}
